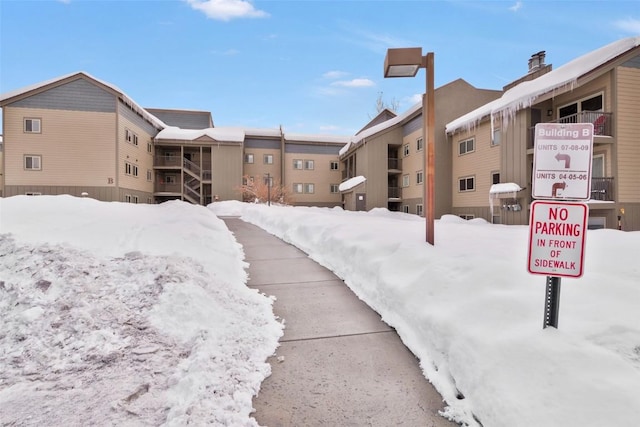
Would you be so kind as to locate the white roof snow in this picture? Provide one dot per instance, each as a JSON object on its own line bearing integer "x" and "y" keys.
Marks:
{"x": 229, "y": 134}
{"x": 505, "y": 187}
{"x": 524, "y": 94}
{"x": 352, "y": 182}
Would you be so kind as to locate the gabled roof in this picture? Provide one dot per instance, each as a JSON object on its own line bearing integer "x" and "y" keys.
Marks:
{"x": 382, "y": 116}
{"x": 81, "y": 74}
{"x": 526, "y": 93}
{"x": 185, "y": 119}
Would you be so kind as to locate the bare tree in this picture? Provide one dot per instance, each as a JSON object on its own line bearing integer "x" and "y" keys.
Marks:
{"x": 381, "y": 104}
{"x": 259, "y": 190}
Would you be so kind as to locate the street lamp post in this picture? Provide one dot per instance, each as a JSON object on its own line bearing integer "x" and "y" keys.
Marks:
{"x": 405, "y": 62}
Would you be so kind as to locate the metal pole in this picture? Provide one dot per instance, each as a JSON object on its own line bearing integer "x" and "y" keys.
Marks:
{"x": 552, "y": 302}
{"x": 429, "y": 132}
{"x": 268, "y": 189}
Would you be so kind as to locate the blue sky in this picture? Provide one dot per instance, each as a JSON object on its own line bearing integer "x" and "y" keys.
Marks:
{"x": 313, "y": 67}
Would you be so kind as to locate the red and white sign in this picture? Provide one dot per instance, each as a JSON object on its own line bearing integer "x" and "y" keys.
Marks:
{"x": 562, "y": 161}
{"x": 557, "y": 233}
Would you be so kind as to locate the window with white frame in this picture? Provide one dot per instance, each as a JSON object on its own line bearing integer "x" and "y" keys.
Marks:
{"x": 419, "y": 177}
{"x": 33, "y": 163}
{"x": 405, "y": 208}
{"x": 309, "y": 188}
{"x": 248, "y": 158}
{"x": 405, "y": 150}
{"x": 405, "y": 180}
{"x": 419, "y": 144}
{"x": 149, "y": 147}
{"x": 130, "y": 169}
{"x": 128, "y": 198}
{"x": 334, "y": 188}
{"x": 32, "y": 125}
{"x": 33, "y": 193}
{"x": 467, "y": 183}
{"x": 170, "y": 179}
{"x": 308, "y": 164}
{"x": 297, "y": 163}
{"x": 497, "y": 137}
{"x": 149, "y": 175}
{"x": 467, "y": 216}
{"x": 268, "y": 159}
{"x": 466, "y": 146}
{"x": 130, "y": 137}
{"x": 297, "y": 188}
{"x": 334, "y": 166}
{"x": 419, "y": 210}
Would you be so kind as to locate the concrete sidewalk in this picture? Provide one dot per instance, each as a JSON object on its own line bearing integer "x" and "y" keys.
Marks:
{"x": 338, "y": 364}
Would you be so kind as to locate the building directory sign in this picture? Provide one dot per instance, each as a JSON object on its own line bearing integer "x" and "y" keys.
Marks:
{"x": 562, "y": 161}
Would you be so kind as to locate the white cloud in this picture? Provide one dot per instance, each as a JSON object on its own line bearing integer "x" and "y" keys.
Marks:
{"x": 335, "y": 74}
{"x": 516, "y": 7}
{"x": 630, "y": 25}
{"x": 414, "y": 99}
{"x": 226, "y": 10}
{"x": 354, "y": 83}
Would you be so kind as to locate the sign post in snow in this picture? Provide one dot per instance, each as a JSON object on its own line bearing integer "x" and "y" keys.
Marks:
{"x": 561, "y": 171}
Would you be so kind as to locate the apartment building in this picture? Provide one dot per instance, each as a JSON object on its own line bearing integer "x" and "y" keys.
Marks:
{"x": 390, "y": 154}
{"x": 494, "y": 143}
{"x": 82, "y": 136}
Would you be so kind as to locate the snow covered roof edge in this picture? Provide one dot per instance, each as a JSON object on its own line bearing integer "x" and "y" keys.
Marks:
{"x": 125, "y": 98}
{"x": 524, "y": 94}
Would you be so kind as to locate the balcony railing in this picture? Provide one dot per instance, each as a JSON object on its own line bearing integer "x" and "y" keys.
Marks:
{"x": 190, "y": 166}
{"x": 394, "y": 164}
{"x": 602, "y": 189}
{"x": 602, "y": 123}
{"x": 167, "y": 160}
{"x": 395, "y": 192}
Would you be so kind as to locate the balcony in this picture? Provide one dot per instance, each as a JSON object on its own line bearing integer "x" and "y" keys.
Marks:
{"x": 394, "y": 165}
{"x": 602, "y": 124}
{"x": 167, "y": 160}
{"x": 395, "y": 193}
{"x": 602, "y": 189}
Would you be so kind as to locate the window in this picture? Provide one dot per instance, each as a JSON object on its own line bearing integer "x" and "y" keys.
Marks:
{"x": 495, "y": 177}
{"x": 466, "y": 146}
{"x": 297, "y": 164}
{"x": 334, "y": 166}
{"x": 248, "y": 158}
{"x": 419, "y": 177}
{"x": 335, "y": 188}
{"x": 597, "y": 166}
{"x": 170, "y": 179}
{"x": 297, "y": 188}
{"x": 130, "y": 137}
{"x": 405, "y": 150}
{"x": 596, "y": 222}
{"x": 128, "y": 198}
{"x": 130, "y": 169}
{"x": 569, "y": 113}
{"x": 33, "y": 163}
{"x": 419, "y": 210}
{"x": 309, "y": 188}
{"x": 308, "y": 164}
{"x": 149, "y": 147}
{"x": 467, "y": 183}
{"x": 405, "y": 180}
{"x": 33, "y": 193}
{"x": 32, "y": 125}
{"x": 419, "y": 144}
{"x": 497, "y": 137}
{"x": 405, "y": 208}
{"x": 467, "y": 216}
{"x": 149, "y": 175}
{"x": 268, "y": 159}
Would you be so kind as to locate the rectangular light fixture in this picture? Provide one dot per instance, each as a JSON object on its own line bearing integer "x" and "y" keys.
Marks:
{"x": 403, "y": 62}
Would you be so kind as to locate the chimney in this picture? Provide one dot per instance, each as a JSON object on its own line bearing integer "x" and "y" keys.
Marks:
{"x": 536, "y": 61}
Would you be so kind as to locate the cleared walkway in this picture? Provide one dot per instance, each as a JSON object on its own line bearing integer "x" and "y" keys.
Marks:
{"x": 338, "y": 364}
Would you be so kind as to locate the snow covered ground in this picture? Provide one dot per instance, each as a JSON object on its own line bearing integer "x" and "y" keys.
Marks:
{"x": 127, "y": 314}
{"x": 121, "y": 314}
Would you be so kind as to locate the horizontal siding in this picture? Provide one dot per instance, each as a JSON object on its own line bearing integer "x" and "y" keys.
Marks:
{"x": 313, "y": 148}
{"x": 78, "y": 95}
{"x": 628, "y": 134}
{"x": 321, "y": 176}
{"x": 105, "y": 194}
{"x": 77, "y": 147}
{"x": 479, "y": 164}
{"x": 136, "y": 119}
{"x": 273, "y": 144}
{"x": 411, "y": 164}
{"x": 226, "y": 170}
{"x": 258, "y": 168}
